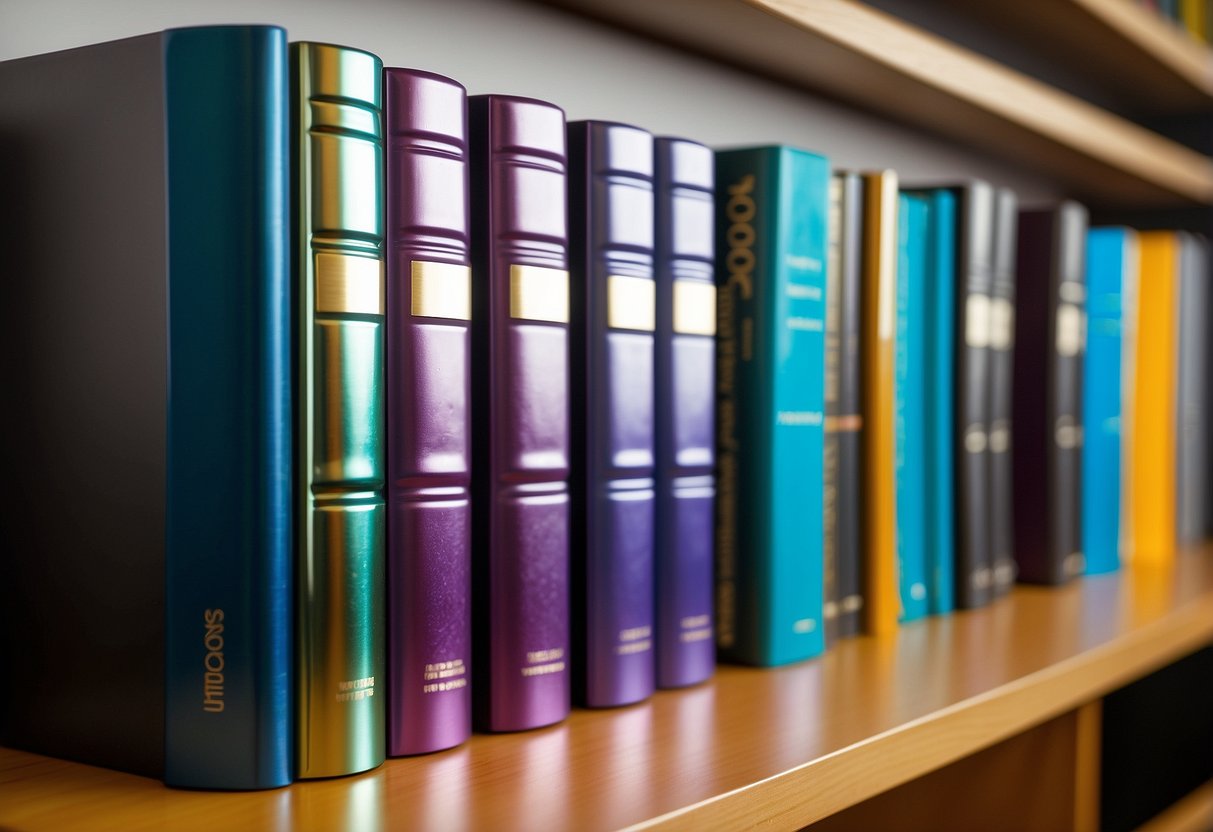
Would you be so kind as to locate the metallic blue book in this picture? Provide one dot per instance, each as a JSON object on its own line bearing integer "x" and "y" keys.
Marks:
{"x": 910, "y": 411}
{"x": 149, "y": 613}
{"x": 611, "y": 329}
{"x": 685, "y": 367}
{"x": 940, "y": 290}
{"x": 1111, "y": 278}
{"x": 772, "y": 209}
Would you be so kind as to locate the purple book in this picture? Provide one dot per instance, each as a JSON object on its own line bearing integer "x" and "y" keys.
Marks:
{"x": 428, "y": 453}
{"x": 686, "y": 400}
{"x": 520, "y": 441}
{"x": 611, "y": 349}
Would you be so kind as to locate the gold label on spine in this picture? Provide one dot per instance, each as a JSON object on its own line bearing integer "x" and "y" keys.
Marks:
{"x": 348, "y": 284}
{"x": 631, "y": 303}
{"x": 441, "y": 290}
{"x": 539, "y": 294}
{"x": 694, "y": 308}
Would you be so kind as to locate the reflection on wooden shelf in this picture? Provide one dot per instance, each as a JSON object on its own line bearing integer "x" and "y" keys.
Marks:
{"x": 786, "y": 746}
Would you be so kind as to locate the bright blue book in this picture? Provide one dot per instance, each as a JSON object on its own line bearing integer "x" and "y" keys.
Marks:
{"x": 1111, "y": 257}
{"x": 147, "y": 622}
{"x": 772, "y": 207}
{"x": 909, "y": 402}
{"x": 940, "y": 288}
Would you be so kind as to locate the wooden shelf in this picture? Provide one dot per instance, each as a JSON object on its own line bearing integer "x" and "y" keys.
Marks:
{"x": 1192, "y": 813}
{"x": 877, "y": 61}
{"x": 780, "y": 748}
{"x": 1152, "y": 63}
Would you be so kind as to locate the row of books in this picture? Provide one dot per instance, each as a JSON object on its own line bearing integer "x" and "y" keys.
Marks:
{"x": 1192, "y": 15}
{"x": 423, "y": 425}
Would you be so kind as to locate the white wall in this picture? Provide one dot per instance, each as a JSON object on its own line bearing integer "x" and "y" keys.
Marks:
{"x": 513, "y": 46}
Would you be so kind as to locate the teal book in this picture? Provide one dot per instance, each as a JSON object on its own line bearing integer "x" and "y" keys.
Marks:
{"x": 909, "y": 407}
{"x": 772, "y": 209}
{"x": 1111, "y": 274}
{"x": 939, "y": 286}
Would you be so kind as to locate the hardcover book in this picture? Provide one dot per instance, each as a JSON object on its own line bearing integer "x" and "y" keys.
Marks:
{"x": 844, "y": 422}
{"x": 1111, "y": 278}
{"x": 1050, "y": 326}
{"x": 429, "y": 589}
{"x": 1152, "y": 525}
{"x": 337, "y": 149}
{"x": 879, "y": 325}
{"x": 909, "y": 403}
{"x": 971, "y": 454}
{"x": 613, "y": 318}
{"x": 1000, "y": 430}
{"x": 147, "y": 615}
{"x": 1191, "y": 408}
{"x": 940, "y": 495}
{"x": 520, "y": 438}
{"x": 771, "y": 243}
{"x": 685, "y": 375}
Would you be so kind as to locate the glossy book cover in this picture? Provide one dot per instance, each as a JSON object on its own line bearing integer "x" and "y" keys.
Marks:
{"x": 149, "y": 619}
{"x": 612, "y": 297}
{"x": 338, "y": 154}
{"x": 1002, "y": 361}
{"x": 685, "y": 375}
{"x": 520, "y": 437}
{"x": 772, "y": 210}
{"x": 427, "y": 364}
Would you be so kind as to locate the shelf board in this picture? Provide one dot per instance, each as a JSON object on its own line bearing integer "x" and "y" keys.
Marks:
{"x": 863, "y": 56}
{"x": 1152, "y": 63}
{"x": 1191, "y": 813}
{"x": 779, "y": 748}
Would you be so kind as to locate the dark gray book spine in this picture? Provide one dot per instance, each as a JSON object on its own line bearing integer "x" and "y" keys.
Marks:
{"x": 1047, "y": 448}
{"x": 1002, "y": 351}
{"x": 975, "y": 242}
{"x": 1191, "y": 407}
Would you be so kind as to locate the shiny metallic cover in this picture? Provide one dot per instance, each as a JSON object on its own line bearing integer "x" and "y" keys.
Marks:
{"x": 685, "y": 367}
{"x": 612, "y": 323}
{"x": 338, "y": 151}
{"x": 428, "y": 444}
{"x": 520, "y": 438}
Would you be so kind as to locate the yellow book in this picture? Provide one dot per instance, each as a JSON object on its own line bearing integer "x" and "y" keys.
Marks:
{"x": 879, "y": 308}
{"x": 1152, "y": 457}
{"x": 1192, "y": 14}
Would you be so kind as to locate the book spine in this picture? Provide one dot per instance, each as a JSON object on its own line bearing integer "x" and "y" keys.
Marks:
{"x": 999, "y": 431}
{"x": 974, "y": 570}
{"x": 940, "y": 287}
{"x": 520, "y": 440}
{"x": 228, "y": 610}
{"x": 1050, "y": 322}
{"x": 830, "y": 452}
{"x": 1191, "y": 405}
{"x": 771, "y": 237}
{"x": 847, "y": 427}
{"x": 909, "y": 383}
{"x": 612, "y": 305}
{"x": 879, "y": 449}
{"x": 338, "y": 144}
{"x": 1108, "y": 258}
{"x": 685, "y": 369}
{"x": 428, "y": 441}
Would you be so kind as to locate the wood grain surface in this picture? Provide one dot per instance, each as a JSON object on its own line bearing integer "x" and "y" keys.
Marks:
{"x": 778, "y": 748}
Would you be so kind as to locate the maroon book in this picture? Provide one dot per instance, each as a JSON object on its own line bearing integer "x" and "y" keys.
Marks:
{"x": 428, "y": 442}
{"x": 520, "y": 386}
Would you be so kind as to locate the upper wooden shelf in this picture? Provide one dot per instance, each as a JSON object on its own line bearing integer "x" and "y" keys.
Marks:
{"x": 858, "y": 54}
{"x": 777, "y": 748}
{"x": 1151, "y": 63}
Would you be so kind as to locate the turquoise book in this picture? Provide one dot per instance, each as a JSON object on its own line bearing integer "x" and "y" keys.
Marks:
{"x": 909, "y": 407}
{"x": 1111, "y": 264}
{"x": 772, "y": 208}
{"x": 939, "y": 286}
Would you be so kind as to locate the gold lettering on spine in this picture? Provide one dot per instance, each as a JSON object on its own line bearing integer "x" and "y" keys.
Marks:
{"x": 213, "y": 662}
{"x": 735, "y": 331}
{"x": 544, "y": 662}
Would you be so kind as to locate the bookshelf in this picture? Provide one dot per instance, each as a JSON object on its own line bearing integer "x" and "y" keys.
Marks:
{"x": 780, "y": 748}
{"x": 793, "y": 746}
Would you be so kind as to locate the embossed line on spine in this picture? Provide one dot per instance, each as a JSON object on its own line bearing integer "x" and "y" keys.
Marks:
{"x": 429, "y": 242}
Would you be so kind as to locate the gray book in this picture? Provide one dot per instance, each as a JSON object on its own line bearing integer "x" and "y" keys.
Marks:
{"x": 1191, "y": 390}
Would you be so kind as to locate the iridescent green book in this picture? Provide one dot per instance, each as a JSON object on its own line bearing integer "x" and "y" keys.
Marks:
{"x": 338, "y": 156}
